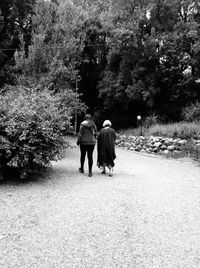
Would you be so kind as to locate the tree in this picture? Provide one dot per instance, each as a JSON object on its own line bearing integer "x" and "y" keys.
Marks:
{"x": 15, "y": 20}
{"x": 36, "y": 113}
{"x": 126, "y": 45}
{"x": 93, "y": 61}
{"x": 139, "y": 57}
{"x": 149, "y": 53}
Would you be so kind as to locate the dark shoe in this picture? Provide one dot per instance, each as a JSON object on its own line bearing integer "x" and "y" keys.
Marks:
{"x": 103, "y": 172}
{"x": 81, "y": 170}
{"x": 110, "y": 172}
{"x": 90, "y": 174}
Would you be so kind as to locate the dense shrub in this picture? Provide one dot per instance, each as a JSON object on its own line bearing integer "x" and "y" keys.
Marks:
{"x": 191, "y": 113}
{"x": 151, "y": 120}
{"x": 31, "y": 127}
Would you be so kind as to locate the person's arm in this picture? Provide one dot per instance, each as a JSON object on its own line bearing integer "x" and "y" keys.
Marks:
{"x": 115, "y": 135}
{"x": 95, "y": 131}
{"x": 80, "y": 134}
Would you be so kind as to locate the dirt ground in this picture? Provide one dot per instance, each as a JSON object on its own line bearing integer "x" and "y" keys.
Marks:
{"x": 146, "y": 215}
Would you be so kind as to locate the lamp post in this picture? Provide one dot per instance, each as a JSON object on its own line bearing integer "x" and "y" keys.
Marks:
{"x": 139, "y": 118}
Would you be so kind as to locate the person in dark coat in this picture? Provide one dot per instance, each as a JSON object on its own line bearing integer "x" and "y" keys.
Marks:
{"x": 87, "y": 140}
{"x": 106, "y": 147}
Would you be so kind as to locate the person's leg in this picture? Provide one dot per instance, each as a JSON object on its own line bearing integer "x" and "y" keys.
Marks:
{"x": 110, "y": 171}
{"x": 82, "y": 158}
{"x": 104, "y": 168}
{"x": 90, "y": 149}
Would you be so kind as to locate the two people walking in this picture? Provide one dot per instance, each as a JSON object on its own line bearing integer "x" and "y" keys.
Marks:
{"x": 87, "y": 138}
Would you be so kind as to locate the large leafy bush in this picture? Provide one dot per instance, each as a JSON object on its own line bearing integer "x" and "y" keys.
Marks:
{"x": 31, "y": 127}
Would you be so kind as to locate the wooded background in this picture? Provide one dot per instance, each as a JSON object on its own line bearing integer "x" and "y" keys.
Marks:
{"x": 122, "y": 57}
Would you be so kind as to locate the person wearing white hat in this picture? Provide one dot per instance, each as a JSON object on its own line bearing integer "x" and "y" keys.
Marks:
{"x": 106, "y": 147}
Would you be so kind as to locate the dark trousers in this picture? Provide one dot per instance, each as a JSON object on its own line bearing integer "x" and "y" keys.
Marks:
{"x": 89, "y": 150}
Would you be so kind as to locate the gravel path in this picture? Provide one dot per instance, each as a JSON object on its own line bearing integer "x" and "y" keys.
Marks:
{"x": 146, "y": 215}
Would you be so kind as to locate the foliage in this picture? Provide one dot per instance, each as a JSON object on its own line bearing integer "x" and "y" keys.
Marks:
{"x": 151, "y": 120}
{"x": 192, "y": 150}
{"x": 52, "y": 50}
{"x": 149, "y": 58}
{"x": 15, "y": 19}
{"x": 38, "y": 111}
{"x": 142, "y": 57}
{"x": 191, "y": 113}
{"x": 93, "y": 60}
{"x": 132, "y": 131}
{"x": 32, "y": 124}
{"x": 181, "y": 130}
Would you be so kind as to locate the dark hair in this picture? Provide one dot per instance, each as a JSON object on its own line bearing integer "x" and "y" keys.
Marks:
{"x": 88, "y": 117}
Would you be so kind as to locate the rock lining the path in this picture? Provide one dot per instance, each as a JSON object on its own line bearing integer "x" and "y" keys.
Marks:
{"x": 153, "y": 144}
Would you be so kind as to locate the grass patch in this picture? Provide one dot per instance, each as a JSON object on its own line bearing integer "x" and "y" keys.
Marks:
{"x": 132, "y": 131}
{"x": 180, "y": 130}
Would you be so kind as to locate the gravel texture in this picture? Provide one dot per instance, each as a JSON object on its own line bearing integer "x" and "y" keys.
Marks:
{"x": 146, "y": 215}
